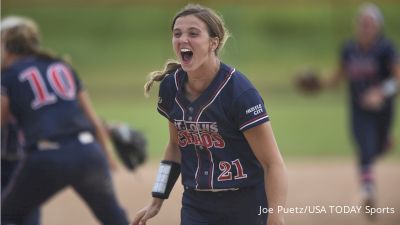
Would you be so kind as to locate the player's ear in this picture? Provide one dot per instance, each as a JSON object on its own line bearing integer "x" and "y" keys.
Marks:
{"x": 214, "y": 43}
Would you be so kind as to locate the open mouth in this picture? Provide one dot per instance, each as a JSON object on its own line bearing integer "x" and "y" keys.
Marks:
{"x": 186, "y": 55}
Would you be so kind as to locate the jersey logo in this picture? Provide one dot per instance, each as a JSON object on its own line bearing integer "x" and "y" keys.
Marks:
{"x": 200, "y": 134}
{"x": 226, "y": 171}
{"x": 61, "y": 81}
{"x": 257, "y": 109}
{"x": 362, "y": 68}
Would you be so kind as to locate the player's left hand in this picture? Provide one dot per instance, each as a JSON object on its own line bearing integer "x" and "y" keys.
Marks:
{"x": 373, "y": 98}
{"x": 275, "y": 219}
{"x": 308, "y": 82}
{"x": 148, "y": 212}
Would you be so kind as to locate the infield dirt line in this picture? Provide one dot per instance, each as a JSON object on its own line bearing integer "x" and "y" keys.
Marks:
{"x": 313, "y": 184}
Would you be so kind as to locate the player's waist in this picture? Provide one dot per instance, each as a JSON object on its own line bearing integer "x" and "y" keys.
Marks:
{"x": 44, "y": 144}
{"x": 219, "y": 190}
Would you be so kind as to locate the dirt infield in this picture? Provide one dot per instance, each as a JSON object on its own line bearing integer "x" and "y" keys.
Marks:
{"x": 313, "y": 183}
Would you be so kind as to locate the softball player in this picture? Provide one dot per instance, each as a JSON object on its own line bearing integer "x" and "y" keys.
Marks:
{"x": 11, "y": 154}
{"x": 220, "y": 138}
{"x": 58, "y": 123}
{"x": 371, "y": 66}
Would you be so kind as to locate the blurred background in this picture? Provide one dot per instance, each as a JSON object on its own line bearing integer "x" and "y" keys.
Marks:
{"x": 114, "y": 44}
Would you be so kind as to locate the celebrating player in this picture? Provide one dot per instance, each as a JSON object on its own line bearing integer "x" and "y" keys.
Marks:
{"x": 220, "y": 138}
{"x": 62, "y": 132}
{"x": 371, "y": 66}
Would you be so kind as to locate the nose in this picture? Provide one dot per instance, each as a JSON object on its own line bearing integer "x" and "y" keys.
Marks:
{"x": 184, "y": 38}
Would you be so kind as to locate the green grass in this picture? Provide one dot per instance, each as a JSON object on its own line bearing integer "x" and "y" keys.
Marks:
{"x": 114, "y": 48}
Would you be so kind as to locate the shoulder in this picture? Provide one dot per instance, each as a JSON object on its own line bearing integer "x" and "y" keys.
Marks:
{"x": 57, "y": 64}
{"x": 50, "y": 62}
{"x": 386, "y": 44}
{"x": 171, "y": 81}
{"x": 168, "y": 88}
{"x": 9, "y": 74}
{"x": 6, "y": 73}
{"x": 384, "y": 41}
{"x": 349, "y": 45}
{"x": 239, "y": 84}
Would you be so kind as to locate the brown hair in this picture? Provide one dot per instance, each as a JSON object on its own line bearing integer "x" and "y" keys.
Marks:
{"x": 21, "y": 36}
{"x": 216, "y": 29}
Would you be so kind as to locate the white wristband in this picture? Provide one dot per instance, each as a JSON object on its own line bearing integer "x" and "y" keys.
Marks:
{"x": 389, "y": 87}
{"x": 168, "y": 173}
{"x": 162, "y": 178}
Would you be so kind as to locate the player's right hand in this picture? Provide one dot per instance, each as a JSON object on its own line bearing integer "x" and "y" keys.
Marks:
{"x": 147, "y": 212}
{"x": 373, "y": 99}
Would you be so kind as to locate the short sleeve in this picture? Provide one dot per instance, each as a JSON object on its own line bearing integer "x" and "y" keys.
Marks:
{"x": 344, "y": 54}
{"x": 391, "y": 56}
{"x": 249, "y": 110}
{"x": 78, "y": 82}
{"x": 165, "y": 97}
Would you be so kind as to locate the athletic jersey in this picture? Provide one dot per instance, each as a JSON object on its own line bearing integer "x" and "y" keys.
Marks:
{"x": 11, "y": 141}
{"x": 215, "y": 153}
{"x": 365, "y": 69}
{"x": 43, "y": 98}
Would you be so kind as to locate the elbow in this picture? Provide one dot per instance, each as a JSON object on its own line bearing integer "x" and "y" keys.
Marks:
{"x": 277, "y": 165}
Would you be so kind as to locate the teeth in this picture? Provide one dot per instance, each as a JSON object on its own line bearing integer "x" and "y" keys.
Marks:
{"x": 185, "y": 50}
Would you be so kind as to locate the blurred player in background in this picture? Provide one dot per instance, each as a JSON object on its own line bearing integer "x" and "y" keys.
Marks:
{"x": 64, "y": 139}
{"x": 11, "y": 154}
{"x": 221, "y": 140}
{"x": 371, "y": 66}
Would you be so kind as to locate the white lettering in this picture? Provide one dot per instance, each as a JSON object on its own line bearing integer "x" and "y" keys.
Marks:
{"x": 257, "y": 109}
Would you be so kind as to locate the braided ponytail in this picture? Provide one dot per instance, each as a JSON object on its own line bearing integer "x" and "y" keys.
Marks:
{"x": 159, "y": 75}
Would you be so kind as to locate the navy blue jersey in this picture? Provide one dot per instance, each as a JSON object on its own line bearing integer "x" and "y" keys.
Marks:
{"x": 41, "y": 93}
{"x": 11, "y": 141}
{"x": 215, "y": 153}
{"x": 367, "y": 68}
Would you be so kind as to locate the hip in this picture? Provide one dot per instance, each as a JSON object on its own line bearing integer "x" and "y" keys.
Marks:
{"x": 73, "y": 141}
{"x": 226, "y": 198}
{"x": 239, "y": 206}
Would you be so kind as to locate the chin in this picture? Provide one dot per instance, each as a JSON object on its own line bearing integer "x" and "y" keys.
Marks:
{"x": 187, "y": 67}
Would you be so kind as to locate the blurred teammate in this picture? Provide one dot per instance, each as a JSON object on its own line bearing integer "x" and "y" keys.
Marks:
{"x": 371, "y": 66}
{"x": 220, "y": 138}
{"x": 63, "y": 136}
{"x": 11, "y": 154}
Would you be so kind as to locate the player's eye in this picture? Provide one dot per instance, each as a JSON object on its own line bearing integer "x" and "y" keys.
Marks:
{"x": 193, "y": 34}
{"x": 177, "y": 34}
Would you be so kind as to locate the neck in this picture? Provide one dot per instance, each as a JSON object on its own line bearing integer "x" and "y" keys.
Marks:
{"x": 200, "y": 79}
{"x": 9, "y": 59}
{"x": 367, "y": 43}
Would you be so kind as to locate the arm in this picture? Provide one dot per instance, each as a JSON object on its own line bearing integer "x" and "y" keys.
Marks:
{"x": 5, "y": 111}
{"x": 396, "y": 70}
{"x": 333, "y": 80}
{"x": 395, "y": 78}
{"x": 172, "y": 153}
{"x": 101, "y": 133}
{"x": 264, "y": 146}
{"x": 374, "y": 97}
